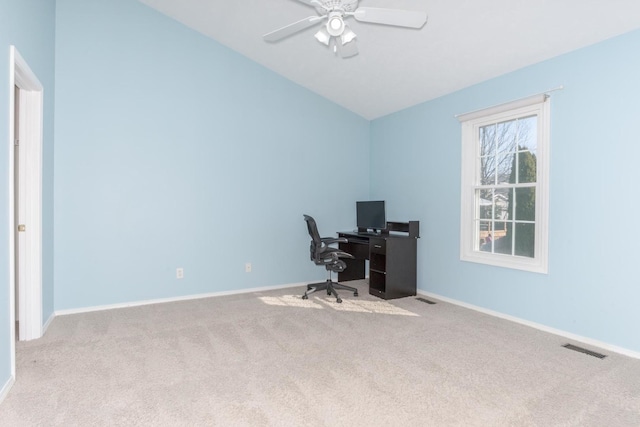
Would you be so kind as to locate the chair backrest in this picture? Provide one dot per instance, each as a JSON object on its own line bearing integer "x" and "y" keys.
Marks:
{"x": 316, "y": 241}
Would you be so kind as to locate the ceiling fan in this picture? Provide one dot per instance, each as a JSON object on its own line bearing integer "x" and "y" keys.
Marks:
{"x": 335, "y": 33}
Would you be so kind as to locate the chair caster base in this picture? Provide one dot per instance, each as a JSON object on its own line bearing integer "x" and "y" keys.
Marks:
{"x": 330, "y": 287}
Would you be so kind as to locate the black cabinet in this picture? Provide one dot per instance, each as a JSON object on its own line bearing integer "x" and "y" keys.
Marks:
{"x": 392, "y": 266}
{"x": 392, "y": 259}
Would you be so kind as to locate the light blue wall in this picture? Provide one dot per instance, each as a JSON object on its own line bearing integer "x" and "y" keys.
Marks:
{"x": 28, "y": 25}
{"x": 174, "y": 151}
{"x": 592, "y": 287}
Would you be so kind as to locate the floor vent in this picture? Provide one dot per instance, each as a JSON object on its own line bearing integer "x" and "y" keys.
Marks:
{"x": 425, "y": 300}
{"x": 585, "y": 351}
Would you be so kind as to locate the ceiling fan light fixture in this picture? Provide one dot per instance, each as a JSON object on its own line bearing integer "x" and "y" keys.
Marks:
{"x": 347, "y": 35}
{"x": 335, "y": 24}
{"x": 323, "y": 37}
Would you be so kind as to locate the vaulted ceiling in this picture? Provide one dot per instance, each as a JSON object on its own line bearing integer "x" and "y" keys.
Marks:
{"x": 463, "y": 43}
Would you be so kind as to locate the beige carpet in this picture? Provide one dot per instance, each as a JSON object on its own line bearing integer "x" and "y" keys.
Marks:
{"x": 272, "y": 359}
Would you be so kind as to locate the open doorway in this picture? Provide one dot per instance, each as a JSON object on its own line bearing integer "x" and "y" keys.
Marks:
{"x": 25, "y": 187}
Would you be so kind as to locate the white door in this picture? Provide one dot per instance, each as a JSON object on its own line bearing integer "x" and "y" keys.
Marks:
{"x": 26, "y": 253}
{"x": 20, "y": 226}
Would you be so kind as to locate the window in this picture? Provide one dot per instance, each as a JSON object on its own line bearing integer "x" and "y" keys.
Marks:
{"x": 504, "y": 218}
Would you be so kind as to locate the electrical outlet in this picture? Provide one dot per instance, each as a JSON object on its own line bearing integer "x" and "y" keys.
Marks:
{"x": 247, "y": 267}
{"x": 179, "y": 273}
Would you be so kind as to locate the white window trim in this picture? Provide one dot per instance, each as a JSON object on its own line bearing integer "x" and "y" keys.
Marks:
{"x": 471, "y": 122}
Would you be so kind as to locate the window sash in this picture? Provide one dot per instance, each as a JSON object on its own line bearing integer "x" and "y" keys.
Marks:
{"x": 471, "y": 164}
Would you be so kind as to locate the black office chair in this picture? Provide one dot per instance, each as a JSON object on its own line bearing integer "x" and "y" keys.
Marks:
{"x": 323, "y": 254}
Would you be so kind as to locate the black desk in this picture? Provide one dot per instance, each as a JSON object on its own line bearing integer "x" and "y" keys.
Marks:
{"x": 392, "y": 259}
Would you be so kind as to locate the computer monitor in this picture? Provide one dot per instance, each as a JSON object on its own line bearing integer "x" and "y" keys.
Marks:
{"x": 371, "y": 215}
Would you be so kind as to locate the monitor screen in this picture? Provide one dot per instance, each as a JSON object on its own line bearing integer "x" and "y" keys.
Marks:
{"x": 371, "y": 215}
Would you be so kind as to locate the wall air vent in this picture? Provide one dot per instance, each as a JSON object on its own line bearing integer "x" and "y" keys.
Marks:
{"x": 425, "y": 300}
{"x": 585, "y": 351}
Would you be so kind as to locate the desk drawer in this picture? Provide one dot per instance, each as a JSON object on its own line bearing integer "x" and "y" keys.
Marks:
{"x": 377, "y": 246}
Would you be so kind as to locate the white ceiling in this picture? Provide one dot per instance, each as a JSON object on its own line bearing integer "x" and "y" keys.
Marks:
{"x": 464, "y": 42}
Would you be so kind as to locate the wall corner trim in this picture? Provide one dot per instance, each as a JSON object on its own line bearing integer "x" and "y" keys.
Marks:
{"x": 47, "y": 323}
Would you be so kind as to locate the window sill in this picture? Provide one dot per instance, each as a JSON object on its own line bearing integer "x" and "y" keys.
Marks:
{"x": 532, "y": 265}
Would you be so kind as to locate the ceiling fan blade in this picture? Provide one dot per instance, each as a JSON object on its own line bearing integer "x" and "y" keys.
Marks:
{"x": 400, "y": 18}
{"x": 290, "y": 29}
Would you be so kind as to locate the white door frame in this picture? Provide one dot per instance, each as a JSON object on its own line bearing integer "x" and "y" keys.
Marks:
{"x": 30, "y": 131}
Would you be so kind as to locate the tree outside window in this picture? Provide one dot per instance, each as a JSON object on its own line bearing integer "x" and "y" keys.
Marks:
{"x": 507, "y": 187}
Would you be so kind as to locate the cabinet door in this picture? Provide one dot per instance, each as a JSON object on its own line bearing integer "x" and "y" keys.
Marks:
{"x": 378, "y": 267}
{"x": 400, "y": 268}
{"x": 377, "y": 283}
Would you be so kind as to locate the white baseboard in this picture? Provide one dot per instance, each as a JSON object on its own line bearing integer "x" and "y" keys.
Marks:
{"x": 173, "y": 299}
{"x": 47, "y": 323}
{"x": 5, "y": 389}
{"x": 568, "y": 335}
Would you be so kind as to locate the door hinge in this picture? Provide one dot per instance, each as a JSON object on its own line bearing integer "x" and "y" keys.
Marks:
{"x": 16, "y": 142}
{"x": 22, "y": 228}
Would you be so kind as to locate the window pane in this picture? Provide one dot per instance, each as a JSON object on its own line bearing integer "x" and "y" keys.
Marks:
{"x": 526, "y": 167}
{"x": 508, "y": 195}
{"x": 487, "y": 140}
{"x": 528, "y": 133}
{"x": 499, "y": 229}
{"x": 525, "y": 204}
{"x": 488, "y": 170}
{"x": 501, "y": 204}
{"x": 483, "y": 232}
{"x": 506, "y": 136}
{"x": 485, "y": 227}
{"x": 505, "y": 167}
{"x": 527, "y": 146}
{"x": 485, "y": 206}
{"x": 502, "y": 239}
{"x": 525, "y": 240}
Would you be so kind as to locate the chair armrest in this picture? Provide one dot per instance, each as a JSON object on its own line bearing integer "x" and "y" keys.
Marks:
{"x": 339, "y": 254}
{"x": 331, "y": 240}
